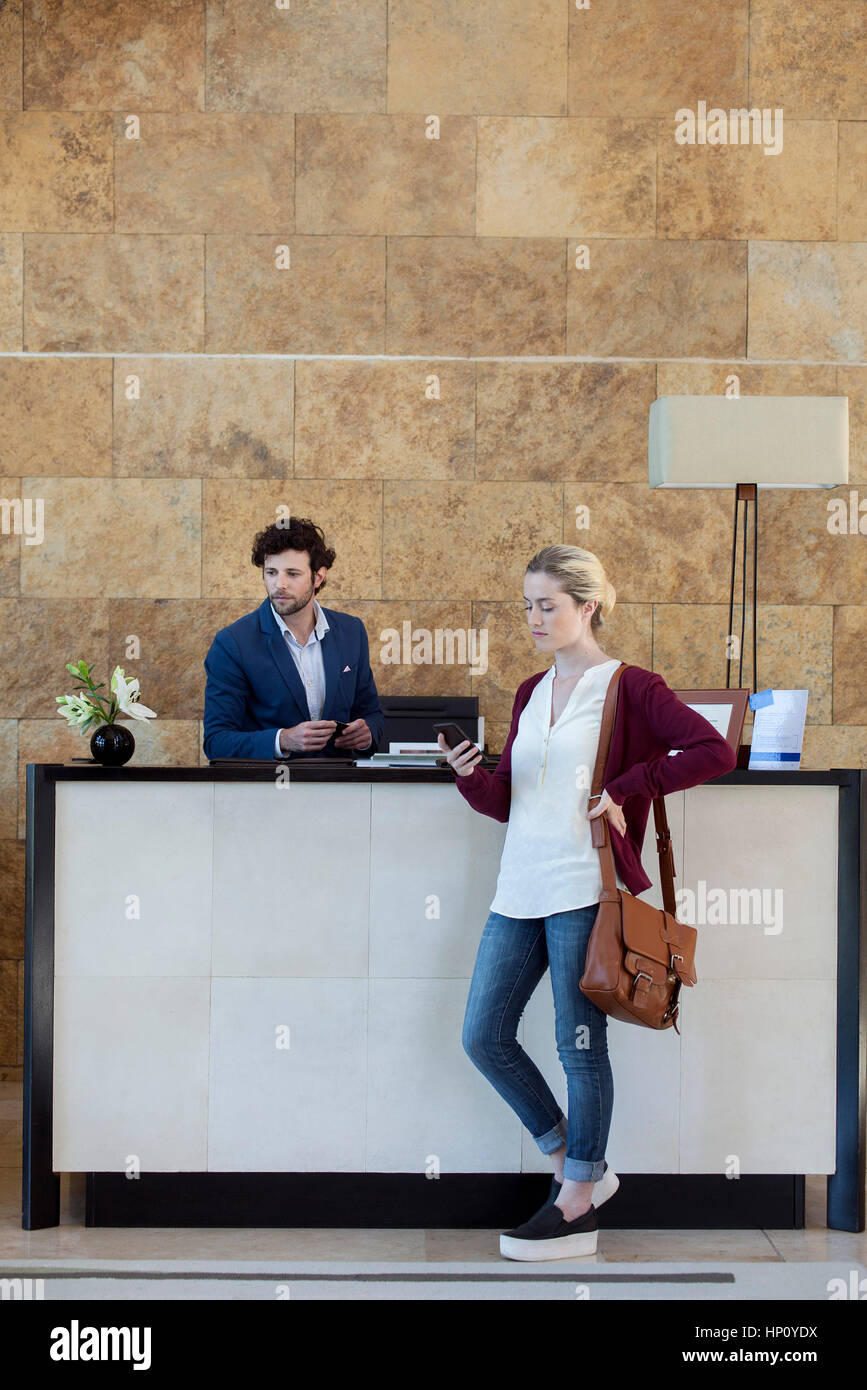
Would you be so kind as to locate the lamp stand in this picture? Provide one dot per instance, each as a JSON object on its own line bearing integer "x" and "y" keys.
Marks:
{"x": 746, "y": 493}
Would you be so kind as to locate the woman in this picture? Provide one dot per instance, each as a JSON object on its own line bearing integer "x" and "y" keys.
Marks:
{"x": 550, "y": 879}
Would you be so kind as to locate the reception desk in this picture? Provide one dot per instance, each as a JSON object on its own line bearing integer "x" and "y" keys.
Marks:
{"x": 244, "y": 997}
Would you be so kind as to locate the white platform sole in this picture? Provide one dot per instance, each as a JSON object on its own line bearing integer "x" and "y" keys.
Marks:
{"x": 562, "y": 1248}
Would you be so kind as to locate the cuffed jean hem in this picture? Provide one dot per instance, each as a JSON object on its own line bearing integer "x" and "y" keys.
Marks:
{"x": 575, "y": 1169}
{"x": 579, "y": 1170}
{"x": 555, "y": 1138}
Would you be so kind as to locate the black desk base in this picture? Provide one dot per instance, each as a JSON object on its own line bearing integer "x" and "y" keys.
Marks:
{"x": 668, "y": 1201}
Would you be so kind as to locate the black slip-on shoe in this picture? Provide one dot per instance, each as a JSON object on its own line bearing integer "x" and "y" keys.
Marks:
{"x": 549, "y": 1236}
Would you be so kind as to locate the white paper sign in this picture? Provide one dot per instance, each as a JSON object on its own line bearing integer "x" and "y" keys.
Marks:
{"x": 778, "y": 729}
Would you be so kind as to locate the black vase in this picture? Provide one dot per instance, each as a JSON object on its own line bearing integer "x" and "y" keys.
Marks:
{"x": 112, "y": 745}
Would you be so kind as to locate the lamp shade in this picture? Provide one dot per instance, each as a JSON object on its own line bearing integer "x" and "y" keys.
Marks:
{"x": 773, "y": 441}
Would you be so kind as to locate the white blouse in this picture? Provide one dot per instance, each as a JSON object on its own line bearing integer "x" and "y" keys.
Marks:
{"x": 549, "y": 863}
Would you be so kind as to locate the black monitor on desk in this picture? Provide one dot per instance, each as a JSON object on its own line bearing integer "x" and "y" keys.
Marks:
{"x": 411, "y": 718}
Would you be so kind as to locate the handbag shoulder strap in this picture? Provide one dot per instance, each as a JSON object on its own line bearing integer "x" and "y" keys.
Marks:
{"x": 599, "y": 825}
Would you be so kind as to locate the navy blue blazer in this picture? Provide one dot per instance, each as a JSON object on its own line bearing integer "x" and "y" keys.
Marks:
{"x": 253, "y": 687}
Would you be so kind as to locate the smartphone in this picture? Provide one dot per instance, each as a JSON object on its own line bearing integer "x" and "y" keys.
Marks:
{"x": 454, "y": 735}
{"x": 340, "y": 727}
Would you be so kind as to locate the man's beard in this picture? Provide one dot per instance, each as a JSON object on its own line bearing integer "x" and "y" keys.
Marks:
{"x": 298, "y": 603}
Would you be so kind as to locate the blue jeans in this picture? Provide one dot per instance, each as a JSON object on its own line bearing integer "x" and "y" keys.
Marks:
{"x": 513, "y": 955}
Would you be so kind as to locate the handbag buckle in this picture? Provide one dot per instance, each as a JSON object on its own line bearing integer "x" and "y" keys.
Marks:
{"x": 638, "y": 975}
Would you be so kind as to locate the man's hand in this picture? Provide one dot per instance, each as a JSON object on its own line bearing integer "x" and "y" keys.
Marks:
{"x": 308, "y": 737}
{"x": 612, "y": 811}
{"x": 355, "y": 735}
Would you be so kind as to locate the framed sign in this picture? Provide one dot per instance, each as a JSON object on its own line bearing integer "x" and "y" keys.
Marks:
{"x": 726, "y": 710}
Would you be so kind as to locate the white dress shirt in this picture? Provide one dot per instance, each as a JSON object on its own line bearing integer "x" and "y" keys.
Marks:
{"x": 549, "y": 862}
{"x": 311, "y": 668}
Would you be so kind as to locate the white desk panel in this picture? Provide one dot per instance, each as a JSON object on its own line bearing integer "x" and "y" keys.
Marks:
{"x": 306, "y": 907}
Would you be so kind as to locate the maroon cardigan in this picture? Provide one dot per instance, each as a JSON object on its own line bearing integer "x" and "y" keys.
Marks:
{"x": 650, "y": 720}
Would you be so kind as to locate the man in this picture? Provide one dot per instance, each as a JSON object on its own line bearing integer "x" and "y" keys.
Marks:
{"x": 280, "y": 678}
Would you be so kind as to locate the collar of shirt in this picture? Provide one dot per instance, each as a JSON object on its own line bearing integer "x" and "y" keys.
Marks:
{"x": 320, "y": 627}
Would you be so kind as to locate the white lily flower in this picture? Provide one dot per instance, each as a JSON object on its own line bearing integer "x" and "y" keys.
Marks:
{"x": 78, "y": 711}
{"x": 127, "y": 694}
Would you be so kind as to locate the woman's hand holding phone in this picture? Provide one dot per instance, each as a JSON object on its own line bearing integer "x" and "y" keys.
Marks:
{"x": 463, "y": 758}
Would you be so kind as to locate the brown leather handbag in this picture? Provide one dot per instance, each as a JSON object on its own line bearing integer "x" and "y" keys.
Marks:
{"x": 638, "y": 956}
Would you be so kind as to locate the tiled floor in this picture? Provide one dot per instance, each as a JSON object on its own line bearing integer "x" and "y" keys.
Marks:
{"x": 71, "y": 1239}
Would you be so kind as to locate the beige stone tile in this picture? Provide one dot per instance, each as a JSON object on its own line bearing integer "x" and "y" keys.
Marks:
{"x": 11, "y": 291}
{"x": 406, "y": 677}
{"x": 793, "y": 649}
{"x": 109, "y": 56}
{"x": 657, "y": 546}
{"x": 11, "y": 516}
{"x": 642, "y": 298}
{"x": 203, "y": 417}
{"x": 728, "y": 191}
{"x": 56, "y": 414}
{"x": 820, "y": 1246}
{"x": 8, "y": 776}
{"x": 712, "y": 1247}
{"x": 449, "y": 1244}
{"x": 173, "y": 637}
{"x": 800, "y": 560}
{"x": 57, "y": 172}
{"x": 837, "y": 745}
{"x": 38, "y": 636}
{"x": 9, "y": 1012}
{"x": 330, "y": 298}
{"x": 328, "y": 57}
{"x": 852, "y": 192}
{"x": 368, "y": 174}
{"x": 11, "y": 29}
{"x": 350, "y": 514}
{"x": 850, "y": 658}
{"x": 158, "y": 743}
{"x": 11, "y": 1121}
{"x": 512, "y": 656}
{"x": 496, "y": 733}
{"x": 192, "y": 172}
{"x": 808, "y": 301}
{"x": 809, "y": 59}
{"x": 649, "y": 59}
{"x": 539, "y": 176}
{"x": 507, "y": 58}
{"x": 11, "y": 900}
{"x": 91, "y": 548}
{"x": 384, "y": 419}
{"x": 753, "y": 379}
{"x": 852, "y": 382}
{"x": 476, "y": 296}
{"x": 616, "y": 1245}
{"x": 251, "y": 1244}
{"x": 20, "y": 1057}
{"x": 94, "y": 293}
{"x": 563, "y": 421}
{"x": 493, "y": 529}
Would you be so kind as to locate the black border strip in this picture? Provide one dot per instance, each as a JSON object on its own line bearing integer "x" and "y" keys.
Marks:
{"x": 460, "y": 1201}
{"x": 845, "y": 1204}
{"x": 40, "y": 1185}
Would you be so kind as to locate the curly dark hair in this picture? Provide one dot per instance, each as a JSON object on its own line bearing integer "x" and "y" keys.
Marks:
{"x": 295, "y": 533}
